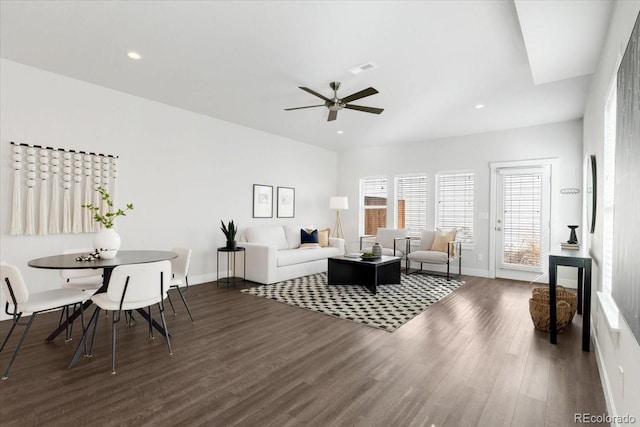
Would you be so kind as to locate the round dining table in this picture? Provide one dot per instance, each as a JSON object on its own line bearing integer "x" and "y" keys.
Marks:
{"x": 72, "y": 262}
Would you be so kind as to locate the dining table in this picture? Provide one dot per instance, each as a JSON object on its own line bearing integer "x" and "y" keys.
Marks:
{"x": 75, "y": 262}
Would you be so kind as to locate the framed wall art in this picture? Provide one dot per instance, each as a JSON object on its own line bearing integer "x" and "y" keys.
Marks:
{"x": 262, "y": 201}
{"x": 286, "y": 202}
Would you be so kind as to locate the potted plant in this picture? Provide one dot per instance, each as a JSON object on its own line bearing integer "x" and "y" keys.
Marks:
{"x": 106, "y": 241}
{"x": 230, "y": 233}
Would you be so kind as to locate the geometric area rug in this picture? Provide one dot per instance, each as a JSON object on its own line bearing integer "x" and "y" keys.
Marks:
{"x": 390, "y": 308}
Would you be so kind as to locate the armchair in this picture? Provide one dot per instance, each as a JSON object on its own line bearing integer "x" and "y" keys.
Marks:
{"x": 437, "y": 248}
{"x": 393, "y": 241}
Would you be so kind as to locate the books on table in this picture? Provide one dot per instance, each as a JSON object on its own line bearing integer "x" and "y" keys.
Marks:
{"x": 570, "y": 246}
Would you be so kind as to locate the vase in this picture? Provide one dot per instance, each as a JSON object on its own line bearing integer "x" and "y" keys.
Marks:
{"x": 572, "y": 236}
{"x": 231, "y": 245}
{"x": 107, "y": 243}
{"x": 376, "y": 250}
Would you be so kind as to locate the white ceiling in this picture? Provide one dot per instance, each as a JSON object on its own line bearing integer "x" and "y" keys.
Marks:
{"x": 243, "y": 61}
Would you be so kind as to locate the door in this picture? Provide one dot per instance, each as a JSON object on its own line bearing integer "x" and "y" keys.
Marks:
{"x": 521, "y": 228}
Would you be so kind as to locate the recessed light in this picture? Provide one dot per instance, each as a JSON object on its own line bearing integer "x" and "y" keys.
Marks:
{"x": 134, "y": 55}
{"x": 340, "y": 132}
{"x": 478, "y": 106}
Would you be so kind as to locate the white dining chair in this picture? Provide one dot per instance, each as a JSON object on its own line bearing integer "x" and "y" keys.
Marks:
{"x": 180, "y": 273}
{"x": 132, "y": 287}
{"x": 20, "y": 300}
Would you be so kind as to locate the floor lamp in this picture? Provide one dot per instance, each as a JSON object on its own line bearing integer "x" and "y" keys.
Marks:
{"x": 338, "y": 203}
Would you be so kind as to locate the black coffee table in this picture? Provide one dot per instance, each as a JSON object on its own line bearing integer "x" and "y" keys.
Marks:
{"x": 369, "y": 273}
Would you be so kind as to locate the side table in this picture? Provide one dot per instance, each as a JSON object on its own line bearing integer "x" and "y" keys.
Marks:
{"x": 582, "y": 261}
{"x": 232, "y": 277}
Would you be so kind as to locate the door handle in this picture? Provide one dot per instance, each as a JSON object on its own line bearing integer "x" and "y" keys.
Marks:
{"x": 498, "y": 228}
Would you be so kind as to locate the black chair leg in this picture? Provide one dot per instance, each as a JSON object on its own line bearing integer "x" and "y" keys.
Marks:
{"x": 15, "y": 322}
{"x": 448, "y": 270}
{"x": 15, "y": 353}
{"x": 171, "y": 304}
{"x": 166, "y": 330}
{"x": 113, "y": 342}
{"x": 185, "y": 303}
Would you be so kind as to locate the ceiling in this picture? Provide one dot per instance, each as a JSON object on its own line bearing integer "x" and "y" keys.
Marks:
{"x": 243, "y": 61}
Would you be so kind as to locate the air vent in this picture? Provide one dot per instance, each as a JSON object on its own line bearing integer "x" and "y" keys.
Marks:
{"x": 367, "y": 66}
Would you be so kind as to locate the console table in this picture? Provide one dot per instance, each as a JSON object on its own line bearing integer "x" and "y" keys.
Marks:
{"x": 582, "y": 261}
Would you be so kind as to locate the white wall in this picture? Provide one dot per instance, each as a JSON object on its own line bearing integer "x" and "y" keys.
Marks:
{"x": 615, "y": 351}
{"x": 183, "y": 171}
{"x": 474, "y": 152}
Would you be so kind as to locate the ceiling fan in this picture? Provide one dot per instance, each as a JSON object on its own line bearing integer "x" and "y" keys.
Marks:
{"x": 336, "y": 104}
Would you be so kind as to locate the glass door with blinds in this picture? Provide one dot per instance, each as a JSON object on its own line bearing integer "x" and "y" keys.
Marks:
{"x": 373, "y": 205}
{"x": 522, "y": 222}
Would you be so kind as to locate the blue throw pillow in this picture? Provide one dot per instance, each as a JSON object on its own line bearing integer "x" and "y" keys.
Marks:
{"x": 309, "y": 239}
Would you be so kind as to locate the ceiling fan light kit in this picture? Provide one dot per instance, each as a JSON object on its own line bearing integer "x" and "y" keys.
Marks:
{"x": 336, "y": 104}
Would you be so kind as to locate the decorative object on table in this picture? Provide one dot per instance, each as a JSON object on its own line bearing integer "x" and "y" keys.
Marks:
{"x": 106, "y": 241}
{"x": 390, "y": 308}
{"x": 90, "y": 256}
{"x": 566, "y": 306}
{"x": 376, "y": 250}
{"x": 368, "y": 256}
{"x": 262, "y": 201}
{"x": 572, "y": 236}
{"x": 57, "y": 177}
{"x": 286, "y": 202}
{"x": 570, "y": 246}
{"x": 338, "y": 203}
{"x": 230, "y": 232}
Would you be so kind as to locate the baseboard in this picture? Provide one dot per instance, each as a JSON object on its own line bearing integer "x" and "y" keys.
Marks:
{"x": 604, "y": 378}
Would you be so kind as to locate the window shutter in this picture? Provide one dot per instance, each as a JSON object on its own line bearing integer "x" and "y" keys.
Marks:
{"x": 454, "y": 204}
{"x": 522, "y": 219}
{"x": 411, "y": 203}
{"x": 609, "y": 166}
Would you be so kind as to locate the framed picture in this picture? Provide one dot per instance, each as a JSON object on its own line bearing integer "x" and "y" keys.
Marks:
{"x": 262, "y": 201}
{"x": 286, "y": 202}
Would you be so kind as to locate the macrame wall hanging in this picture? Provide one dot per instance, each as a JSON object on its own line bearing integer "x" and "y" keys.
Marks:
{"x": 63, "y": 180}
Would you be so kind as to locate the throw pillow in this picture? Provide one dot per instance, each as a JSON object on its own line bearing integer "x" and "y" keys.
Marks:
{"x": 441, "y": 242}
{"x": 309, "y": 239}
{"x": 323, "y": 237}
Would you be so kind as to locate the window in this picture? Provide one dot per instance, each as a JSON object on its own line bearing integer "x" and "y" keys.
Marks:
{"x": 411, "y": 203}
{"x": 373, "y": 202}
{"x": 609, "y": 163}
{"x": 522, "y": 219}
{"x": 454, "y": 203}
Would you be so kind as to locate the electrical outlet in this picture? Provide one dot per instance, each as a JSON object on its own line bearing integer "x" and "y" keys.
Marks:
{"x": 480, "y": 257}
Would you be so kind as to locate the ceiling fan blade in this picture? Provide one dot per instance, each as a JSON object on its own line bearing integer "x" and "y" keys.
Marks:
{"x": 366, "y": 92}
{"x": 365, "y": 109}
{"x": 332, "y": 115}
{"x": 300, "y": 108}
{"x": 313, "y": 92}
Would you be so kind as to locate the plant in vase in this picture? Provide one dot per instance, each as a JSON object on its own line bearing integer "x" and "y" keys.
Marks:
{"x": 230, "y": 233}
{"x": 106, "y": 241}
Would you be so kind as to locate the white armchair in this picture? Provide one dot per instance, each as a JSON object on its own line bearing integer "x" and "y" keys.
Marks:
{"x": 437, "y": 248}
{"x": 393, "y": 241}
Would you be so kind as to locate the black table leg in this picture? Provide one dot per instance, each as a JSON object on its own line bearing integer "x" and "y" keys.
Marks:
{"x": 553, "y": 327}
{"x": 586, "y": 316}
{"x": 580, "y": 289}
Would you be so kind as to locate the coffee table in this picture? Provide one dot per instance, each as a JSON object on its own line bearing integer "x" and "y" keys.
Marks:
{"x": 367, "y": 273}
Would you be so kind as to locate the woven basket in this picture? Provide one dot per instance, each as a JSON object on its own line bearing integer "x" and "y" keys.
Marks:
{"x": 566, "y": 304}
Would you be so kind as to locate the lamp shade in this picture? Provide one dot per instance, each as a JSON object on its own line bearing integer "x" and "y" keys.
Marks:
{"x": 339, "y": 202}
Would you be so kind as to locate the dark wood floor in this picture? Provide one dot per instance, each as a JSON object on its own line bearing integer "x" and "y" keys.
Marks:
{"x": 472, "y": 359}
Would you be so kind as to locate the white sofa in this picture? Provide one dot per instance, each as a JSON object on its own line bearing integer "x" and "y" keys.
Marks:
{"x": 273, "y": 253}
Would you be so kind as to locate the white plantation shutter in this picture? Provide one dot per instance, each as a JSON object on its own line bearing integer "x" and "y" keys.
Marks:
{"x": 454, "y": 203}
{"x": 522, "y": 220}
{"x": 411, "y": 203}
{"x": 373, "y": 200}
